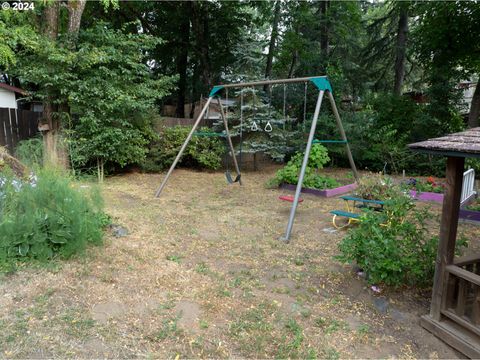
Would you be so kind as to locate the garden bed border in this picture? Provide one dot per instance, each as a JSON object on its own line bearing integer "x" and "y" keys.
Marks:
{"x": 427, "y": 196}
{"x": 323, "y": 193}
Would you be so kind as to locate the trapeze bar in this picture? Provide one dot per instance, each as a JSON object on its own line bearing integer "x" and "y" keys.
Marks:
{"x": 208, "y": 134}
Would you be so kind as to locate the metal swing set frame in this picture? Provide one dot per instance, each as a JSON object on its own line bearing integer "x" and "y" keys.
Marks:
{"x": 323, "y": 85}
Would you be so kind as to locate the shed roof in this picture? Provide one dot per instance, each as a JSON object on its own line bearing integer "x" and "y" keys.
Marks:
{"x": 461, "y": 144}
{"x": 13, "y": 89}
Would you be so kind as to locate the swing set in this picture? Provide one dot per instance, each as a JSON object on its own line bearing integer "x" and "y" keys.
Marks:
{"x": 323, "y": 86}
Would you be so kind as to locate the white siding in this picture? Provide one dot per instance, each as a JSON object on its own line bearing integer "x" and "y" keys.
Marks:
{"x": 7, "y": 99}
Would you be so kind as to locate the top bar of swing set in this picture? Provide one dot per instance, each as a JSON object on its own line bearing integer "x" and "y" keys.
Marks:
{"x": 321, "y": 82}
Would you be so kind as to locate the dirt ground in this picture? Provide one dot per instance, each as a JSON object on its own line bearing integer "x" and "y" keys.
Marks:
{"x": 202, "y": 274}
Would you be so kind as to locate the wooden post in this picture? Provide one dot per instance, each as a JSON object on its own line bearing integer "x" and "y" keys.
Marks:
{"x": 448, "y": 231}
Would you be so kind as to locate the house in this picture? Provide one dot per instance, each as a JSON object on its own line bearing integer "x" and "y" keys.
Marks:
{"x": 468, "y": 88}
{"x": 10, "y": 95}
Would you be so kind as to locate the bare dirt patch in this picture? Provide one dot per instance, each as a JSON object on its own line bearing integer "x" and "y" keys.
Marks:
{"x": 202, "y": 274}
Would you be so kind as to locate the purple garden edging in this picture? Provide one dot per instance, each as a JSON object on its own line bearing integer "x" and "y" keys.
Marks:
{"x": 324, "y": 193}
{"x": 422, "y": 196}
{"x": 469, "y": 215}
{"x": 427, "y": 196}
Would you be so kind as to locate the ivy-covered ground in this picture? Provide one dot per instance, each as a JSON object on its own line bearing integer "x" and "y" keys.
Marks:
{"x": 202, "y": 274}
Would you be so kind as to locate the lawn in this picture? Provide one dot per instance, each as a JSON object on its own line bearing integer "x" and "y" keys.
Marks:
{"x": 202, "y": 274}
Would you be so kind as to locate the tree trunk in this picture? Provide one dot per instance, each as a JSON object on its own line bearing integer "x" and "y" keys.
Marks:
{"x": 200, "y": 28}
{"x": 475, "y": 107}
{"x": 75, "y": 11}
{"x": 50, "y": 30}
{"x": 293, "y": 64}
{"x": 182, "y": 60}
{"x": 50, "y": 20}
{"x": 195, "y": 91}
{"x": 324, "y": 38}
{"x": 273, "y": 40}
{"x": 401, "y": 51}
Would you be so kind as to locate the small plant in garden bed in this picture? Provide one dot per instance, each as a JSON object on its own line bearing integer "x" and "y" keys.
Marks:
{"x": 377, "y": 187}
{"x": 313, "y": 180}
{"x": 427, "y": 185}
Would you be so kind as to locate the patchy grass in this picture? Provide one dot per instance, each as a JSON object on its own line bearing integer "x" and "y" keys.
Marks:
{"x": 202, "y": 275}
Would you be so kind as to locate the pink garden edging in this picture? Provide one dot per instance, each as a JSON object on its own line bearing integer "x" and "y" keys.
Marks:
{"x": 427, "y": 196}
{"x": 323, "y": 193}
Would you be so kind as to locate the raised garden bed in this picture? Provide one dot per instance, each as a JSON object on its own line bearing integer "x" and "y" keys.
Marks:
{"x": 429, "y": 189}
{"x": 344, "y": 189}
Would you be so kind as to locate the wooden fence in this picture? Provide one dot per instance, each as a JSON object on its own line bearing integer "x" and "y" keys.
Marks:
{"x": 172, "y": 121}
{"x": 17, "y": 125}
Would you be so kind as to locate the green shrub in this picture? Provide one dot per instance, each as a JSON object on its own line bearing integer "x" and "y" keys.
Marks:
{"x": 290, "y": 172}
{"x": 202, "y": 151}
{"x": 394, "y": 247}
{"x": 377, "y": 187}
{"x": 48, "y": 218}
{"x": 30, "y": 151}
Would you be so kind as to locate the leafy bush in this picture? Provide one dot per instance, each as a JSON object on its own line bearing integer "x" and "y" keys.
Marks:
{"x": 47, "y": 218}
{"x": 377, "y": 187}
{"x": 394, "y": 246}
{"x": 205, "y": 152}
{"x": 290, "y": 172}
{"x": 30, "y": 151}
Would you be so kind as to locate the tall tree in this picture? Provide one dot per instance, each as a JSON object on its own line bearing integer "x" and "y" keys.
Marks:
{"x": 200, "y": 25}
{"x": 401, "y": 49}
{"x": 448, "y": 43}
{"x": 49, "y": 120}
{"x": 273, "y": 41}
{"x": 75, "y": 11}
{"x": 385, "y": 54}
{"x": 182, "y": 57}
{"x": 324, "y": 27}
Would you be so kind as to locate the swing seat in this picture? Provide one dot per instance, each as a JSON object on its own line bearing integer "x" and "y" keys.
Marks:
{"x": 229, "y": 178}
{"x": 289, "y": 198}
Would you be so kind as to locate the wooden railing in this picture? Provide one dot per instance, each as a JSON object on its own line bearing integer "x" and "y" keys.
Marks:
{"x": 461, "y": 302}
{"x": 468, "y": 185}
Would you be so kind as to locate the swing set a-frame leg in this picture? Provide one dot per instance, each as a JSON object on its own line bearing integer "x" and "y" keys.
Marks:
{"x": 189, "y": 137}
{"x": 311, "y": 135}
{"x": 184, "y": 146}
{"x": 229, "y": 140}
{"x": 343, "y": 135}
{"x": 298, "y": 190}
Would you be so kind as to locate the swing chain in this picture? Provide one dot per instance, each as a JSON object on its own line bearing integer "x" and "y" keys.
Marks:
{"x": 284, "y": 105}
{"x": 268, "y": 127}
{"x": 304, "y": 106}
{"x": 254, "y": 126}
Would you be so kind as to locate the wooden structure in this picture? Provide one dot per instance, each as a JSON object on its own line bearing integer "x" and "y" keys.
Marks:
{"x": 17, "y": 125}
{"x": 455, "y": 309}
